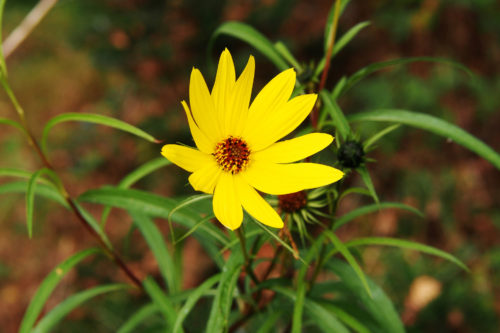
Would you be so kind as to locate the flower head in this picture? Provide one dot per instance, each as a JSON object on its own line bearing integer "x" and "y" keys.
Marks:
{"x": 238, "y": 152}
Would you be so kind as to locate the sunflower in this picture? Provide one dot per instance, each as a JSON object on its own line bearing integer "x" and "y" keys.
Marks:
{"x": 238, "y": 152}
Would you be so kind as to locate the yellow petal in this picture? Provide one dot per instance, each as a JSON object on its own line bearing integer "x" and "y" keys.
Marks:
{"x": 278, "y": 179}
{"x": 255, "y": 205}
{"x": 275, "y": 94}
{"x": 223, "y": 86}
{"x": 202, "y": 106}
{"x": 281, "y": 122}
{"x": 226, "y": 204}
{"x": 295, "y": 149}
{"x": 187, "y": 158}
{"x": 203, "y": 143}
{"x": 239, "y": 101}
{"x": 204, "y": 179}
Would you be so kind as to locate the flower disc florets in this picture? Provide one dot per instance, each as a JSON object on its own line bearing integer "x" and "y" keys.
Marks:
{"x": 232, "y": 154}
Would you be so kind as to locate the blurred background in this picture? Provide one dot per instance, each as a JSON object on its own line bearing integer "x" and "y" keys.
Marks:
{"x": 131, "y": 59}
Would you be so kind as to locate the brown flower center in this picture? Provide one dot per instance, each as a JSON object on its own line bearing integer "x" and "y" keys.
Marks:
{"x": 232, "y": 154}
{"x": 292, "y": 202}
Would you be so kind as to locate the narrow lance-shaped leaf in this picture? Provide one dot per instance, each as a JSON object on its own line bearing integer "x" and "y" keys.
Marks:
{"x": 386, "y": 241}
{"x": 377, "y": 136}
{"x": 192, "y": 300}
{"x": 157, "y": 245}
{"x": 253, "y": 37}
{"x": 69, "y": 304}
{"x": 336, "y": 114}
{"x": 42, "y": 190}
{"x": 95, "y": 119}
{"x": 434, "y": 125}
{"x": 350, "y": 259}
{"x": 221, "y": 306}
{"x": 367, "y": 179}
{"x": 15, "y": 124}
{"x": 370, "y": 209}
{"x": 365, "y": 71}
{"x": 3, "y": 67}
{"x": 340, "y": 44}
{"x": 49, "y": 283}
{"x": 161, "y": 300}
{"x": 138, "y": 317}
{"x": 329, "y": 20}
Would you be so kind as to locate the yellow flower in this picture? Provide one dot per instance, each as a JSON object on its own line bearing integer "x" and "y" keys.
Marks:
{"x": 237, "y": 143}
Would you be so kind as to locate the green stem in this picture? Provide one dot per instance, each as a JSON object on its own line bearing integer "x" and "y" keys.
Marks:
{"x": 248, "y": 268}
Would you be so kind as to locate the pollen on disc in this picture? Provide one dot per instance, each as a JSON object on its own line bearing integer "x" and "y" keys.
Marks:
{"x": 232, "y": 154}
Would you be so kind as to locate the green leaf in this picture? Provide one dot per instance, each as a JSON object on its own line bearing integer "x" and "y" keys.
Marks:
{"x": 345, "y": 317}
{"x": 49, "y": 283}
{"x": 151, "y": 205}
{"x": 94, "y": 224}
{"x": 219, "y": 315}
{"x": 30, "y": 195}
{"x": 70, "y": 303}
{"x": 336, "y": 114}
{"x": 329, "y": 21}
{"x": 371, "y": 141}
{"x": 379, "y": 305}
{"x": 161, "y": 300}
{"x": 267, "y": 321}
{"x": 370, "y": 209}
{"x": 142, "y": 171}
{"x": 279, "y": 240}
{"x": 350, "y": 259}
{"x": 287, "y": 55}
{"x": 193, "y": 299}
{"x": 365, "y": 71}
{"x": 406, "y": 245}
{"x": 251, "y": 36}
{"x": 43, "y": 190}
{"x": 157, "y": 245}
{"x": 434, "y": 125}
{"x": 137, "y": 318}
{"x": 186, "y": 203}
{"x": 15, "y": 124}
{"x": 365, "y": 175}
{"x": 10, "y": 172}
{"x": 3, "y": 67}
{"x": 323, "y": 319}
{"x": 298, "y": 307}
{"x": 340, "y": 44}
{"x": 130, "y": 179}
{"x": 95, "y": 119}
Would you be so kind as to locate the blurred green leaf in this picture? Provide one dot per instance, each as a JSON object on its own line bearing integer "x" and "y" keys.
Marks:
{"x": 137, "y": 318}
{"x": 219, "y": 314}
{"x": 404, "y": 244}
{"x": 358, "y": 190}
{"x": 69, "y": 304}
{"x": 3, "y": 67}
{"x": 345, "y": 317}
{"x": 94, "y": 224}
{"x": 379, "y": 305}
{"x": 157, "y": 245}
{"x": 367, "y": 179}
{"x": 46, "y": 191}
{"x": 298, "y": 307}
{"x": 5, "y": 121}
{"x": 287, "y": 55}
{"x": 267, "y": 321}
{"x": 30, "y": 195}
{"x": 193, "y": 299}
{"x": 329, "y": 20}
{"x": 377, "y": 136}
{"x": 10, "y": 172}
{"x": 365, "y": 71}
{"x": 95, "y": 119}
{"x": 322, "y": 318}
{"x": 251, "y": 36}
{"x": 186, "y": 203}
{"x": 370, "y": 209}
{"x": 340, "y": 44}
{"x": 350, "y": 259}
{"x": 336, "y": 114}
{"x": 157, "y": 206}
{"x": 161, "y": 300}
{"x": 49, "y": 283}
{"x": 130, "y": 179}
{"x": 434, "y": 125}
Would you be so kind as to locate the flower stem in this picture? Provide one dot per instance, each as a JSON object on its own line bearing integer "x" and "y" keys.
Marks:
{"x": 247, "y": 267}
{"x": 328, "y": 56}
